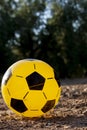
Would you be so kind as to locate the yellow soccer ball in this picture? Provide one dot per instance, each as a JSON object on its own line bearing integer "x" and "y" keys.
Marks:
{"x": 30, "y": 88}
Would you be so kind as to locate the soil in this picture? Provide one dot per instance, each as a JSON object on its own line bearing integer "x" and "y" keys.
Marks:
{"x": 69, "y": 114}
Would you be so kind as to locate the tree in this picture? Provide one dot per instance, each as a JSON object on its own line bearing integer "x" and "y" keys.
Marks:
{"x": 28, "y": 24}
{"x": 69, "y": 26}
{"x": 53, "y": 31}
{"x": 6, "y": 34}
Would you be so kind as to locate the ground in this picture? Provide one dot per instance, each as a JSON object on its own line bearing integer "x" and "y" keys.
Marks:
{"x": 69, "y": 114}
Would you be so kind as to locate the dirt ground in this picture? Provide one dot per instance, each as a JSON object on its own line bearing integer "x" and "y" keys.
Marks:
{"x": 69, "y": 114}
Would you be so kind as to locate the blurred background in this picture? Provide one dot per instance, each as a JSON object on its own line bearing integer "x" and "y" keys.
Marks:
{"x": 54, "y": 31}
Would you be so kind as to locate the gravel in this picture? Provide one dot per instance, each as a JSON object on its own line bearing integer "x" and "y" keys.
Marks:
{"x": 69, "y": 114}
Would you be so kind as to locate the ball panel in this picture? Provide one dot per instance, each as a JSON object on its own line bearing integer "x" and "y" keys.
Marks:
{"x": 23, "y": 68}
{"x": 35, "y": 81}
{"x": 30, "y": 59}
{"x": 18, "y": 105}
{"x": 6, "y": 77}
{"x": 35, "y": 100}
{"x": 57, "y": 79}
{"x": 18, "y": 87}
{"x": 44, "y": 69}
{"x": 49, "y": 105}
{"x": 6, "y": 95}
{"x": 58, "y": 96}
{"x": 50, "y": 89}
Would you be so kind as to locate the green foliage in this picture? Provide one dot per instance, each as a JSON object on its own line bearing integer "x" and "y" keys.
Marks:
{"x": 53, "y": 31}
{"x": 72, "y": 27}
{"x": 6, "y": 34}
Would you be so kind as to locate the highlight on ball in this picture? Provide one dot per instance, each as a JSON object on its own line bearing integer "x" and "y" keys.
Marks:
{"x": 30, "y": 88}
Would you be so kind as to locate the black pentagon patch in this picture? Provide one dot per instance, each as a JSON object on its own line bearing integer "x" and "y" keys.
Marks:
{"x": 35, "y": 81}
{"x": 48, "y": 106}
{"x": 7, "y": 76}
{"x": 18, "y": 105}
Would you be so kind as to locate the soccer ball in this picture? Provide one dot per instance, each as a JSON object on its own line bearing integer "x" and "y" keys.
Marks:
{"x": 30, "y": 88}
